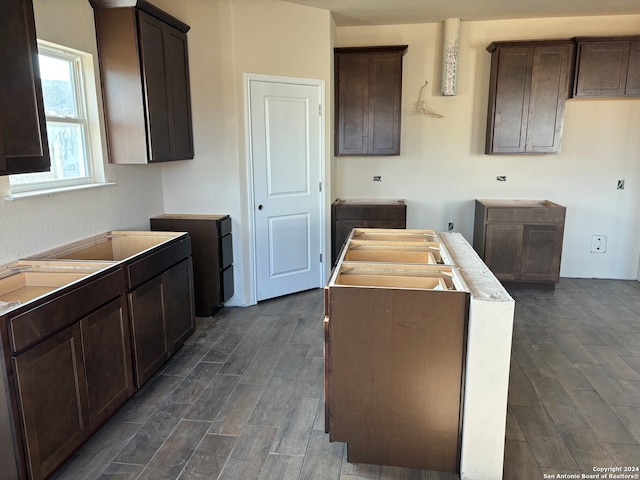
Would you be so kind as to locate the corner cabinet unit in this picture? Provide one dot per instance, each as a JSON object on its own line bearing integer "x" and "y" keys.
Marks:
{"x": 23, "y": 132}
{"x": 212, "y": 247}
{"x": 145, "y": 80}
{"x": 368, "y": 84}
{"x": 529, "y": 84}
{"x": 520, "y": 240}
{"x": 607, "y": 67}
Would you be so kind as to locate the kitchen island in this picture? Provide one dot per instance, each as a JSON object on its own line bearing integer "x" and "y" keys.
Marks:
{"x": 417, "y": 352}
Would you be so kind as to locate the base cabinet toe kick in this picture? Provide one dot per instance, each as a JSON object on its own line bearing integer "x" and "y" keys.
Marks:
{"x": 402, "y": 322}
{"x": 78, "y": 339}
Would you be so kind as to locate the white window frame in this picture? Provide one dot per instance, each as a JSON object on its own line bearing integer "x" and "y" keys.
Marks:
{"x": 87, "y": 100}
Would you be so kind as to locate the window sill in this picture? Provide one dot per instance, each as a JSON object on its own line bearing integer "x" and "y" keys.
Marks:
{"x": 54, "y": 191}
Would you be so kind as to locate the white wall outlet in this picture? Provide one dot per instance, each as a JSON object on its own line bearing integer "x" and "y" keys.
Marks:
{"x": 599, "y": 244}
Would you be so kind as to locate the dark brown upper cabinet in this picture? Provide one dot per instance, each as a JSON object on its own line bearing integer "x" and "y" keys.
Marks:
{"x": 607, "y": 67}
{"x": 368, "y": 82}
{"x": 145, "y": 82}
{"x": 23, "y": 131}
{"x": 529, "y": 84}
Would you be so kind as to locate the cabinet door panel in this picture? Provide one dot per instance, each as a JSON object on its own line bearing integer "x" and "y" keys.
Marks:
{"x": 352, "y": 122}
{"x": 107, "y": 351}
{"x": 633, "y": 73}
{"x": 512, "y": 100}
{"x": 385, "y": 86}
{"x": 22, "y": 122}
{"x": 503, "y": 246}
{"x": 147, "y": 320}
{"x": 52, "y": 397}
{"x": 180, "y": 98}
{"x": 154, "y": 79}
{"x": 177, "y": 296}
{"x": 549, "y": 90}
{"x": 541, "y": 252}
{"x": 602, "y": 69}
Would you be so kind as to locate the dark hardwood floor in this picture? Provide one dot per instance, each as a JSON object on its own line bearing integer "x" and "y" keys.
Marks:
{"x": 243, "y": 398}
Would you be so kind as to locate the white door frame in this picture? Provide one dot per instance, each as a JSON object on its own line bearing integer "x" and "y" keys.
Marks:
{"x": 251, "y": 227}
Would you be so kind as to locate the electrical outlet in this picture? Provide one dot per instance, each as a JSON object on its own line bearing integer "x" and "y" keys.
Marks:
{"x": 620, "y": 184}
{"x": 599, "y": 244}
{"x": 377, "y": 178}
{"x": 450, "y": 227}
{"x": 501, "y": 178}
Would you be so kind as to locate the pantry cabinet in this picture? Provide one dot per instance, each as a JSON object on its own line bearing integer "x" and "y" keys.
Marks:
{"x": 23, "y": 133}
{"x": 520, "y": 240}
{"x": 607, "y": 67}
{"x": 368, "y": 104}
{"x": 145, "y": 81}
{"x": 528, "y": 87}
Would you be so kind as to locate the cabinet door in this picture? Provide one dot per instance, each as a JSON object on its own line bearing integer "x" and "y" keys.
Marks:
{"x": 177, "y": 64}
{"x": 52, "y": 398}
{"x": 107, "y": 353}
{"x": 509, "y": 100}
{"x": 385, "y": 87}
{"x": 147, "y": 325}
{"x": 633, "y": 73}
{"x": 541, "y": 253}
{"x": 152, "y": 46}
{"x": 602, "y": 69}
{"x": 23, "y": 134}
{"x": 352, "y": 99}
{"x": 177, "y": 297}
{"x": 549, "y": 91}
{"x": 503, "y": 249}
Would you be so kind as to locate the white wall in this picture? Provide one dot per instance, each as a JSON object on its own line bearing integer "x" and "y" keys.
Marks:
{"x": 29, "y": 226}
{"x": 442, "y": 167}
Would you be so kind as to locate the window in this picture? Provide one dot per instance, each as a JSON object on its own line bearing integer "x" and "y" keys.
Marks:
{"x": 74, "y": 144}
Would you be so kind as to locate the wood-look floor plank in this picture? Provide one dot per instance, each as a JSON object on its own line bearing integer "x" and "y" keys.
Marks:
{"x": 170, "y": 459}
{"x": 323, "y": 460}
{"x": 212, "y": 399}
{"x": 610, "y": 389}
{"x": 281, "y": 467}
{"x": 296, "y": 426}
{"x": 146, "y": 442}
{"x": 587, "y": 450}
{"x": 519, "y": 462}
{"x": 121, "y": 471}
{"x": 272, "y": 406}
{"x": 195, "y": 383}
{"x": 234, "y": 414}
{"x": 209, "y": 458}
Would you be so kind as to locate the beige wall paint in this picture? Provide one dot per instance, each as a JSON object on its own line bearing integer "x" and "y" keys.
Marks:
{"x": 29, "y": 226}
{"x": 227, "y": 40}
{"x": 442, "y": 167}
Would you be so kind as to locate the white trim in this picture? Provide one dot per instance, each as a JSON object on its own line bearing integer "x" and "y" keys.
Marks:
{"x": 248, "y": 78}
{"x": 53, "y": 191}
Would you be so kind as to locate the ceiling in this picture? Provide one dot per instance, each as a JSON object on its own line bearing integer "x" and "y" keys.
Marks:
{"x": 395, "y": 12}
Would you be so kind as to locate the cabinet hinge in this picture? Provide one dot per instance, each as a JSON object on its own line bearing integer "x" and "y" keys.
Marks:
{"x": 319, "y": 186}
{"x": 320, "y": 258}
{"x": 320, "y": 110}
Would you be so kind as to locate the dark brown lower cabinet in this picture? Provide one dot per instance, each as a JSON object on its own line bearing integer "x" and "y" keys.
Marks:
{"x": 520, "y": 240}
{"x": 71, "y": 383}
{"x": 162, "y": 318}
{"x": 52, "y": 398}
{"x": 106, "y": 344}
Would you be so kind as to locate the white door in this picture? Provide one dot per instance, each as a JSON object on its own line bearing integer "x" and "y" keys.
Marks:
{"x": 285, "y": 142}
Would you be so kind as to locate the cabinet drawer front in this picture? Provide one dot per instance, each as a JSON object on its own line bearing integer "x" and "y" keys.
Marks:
{"x": 224, "y": 226}
{"x": 526, "y": 215}
{"x": 63, "y": 310}
{"x": 226, "y": 252}
{"x": 227, "y": 284}
{"x": 156, "y": 262}
{"x": 371, "y": 212}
